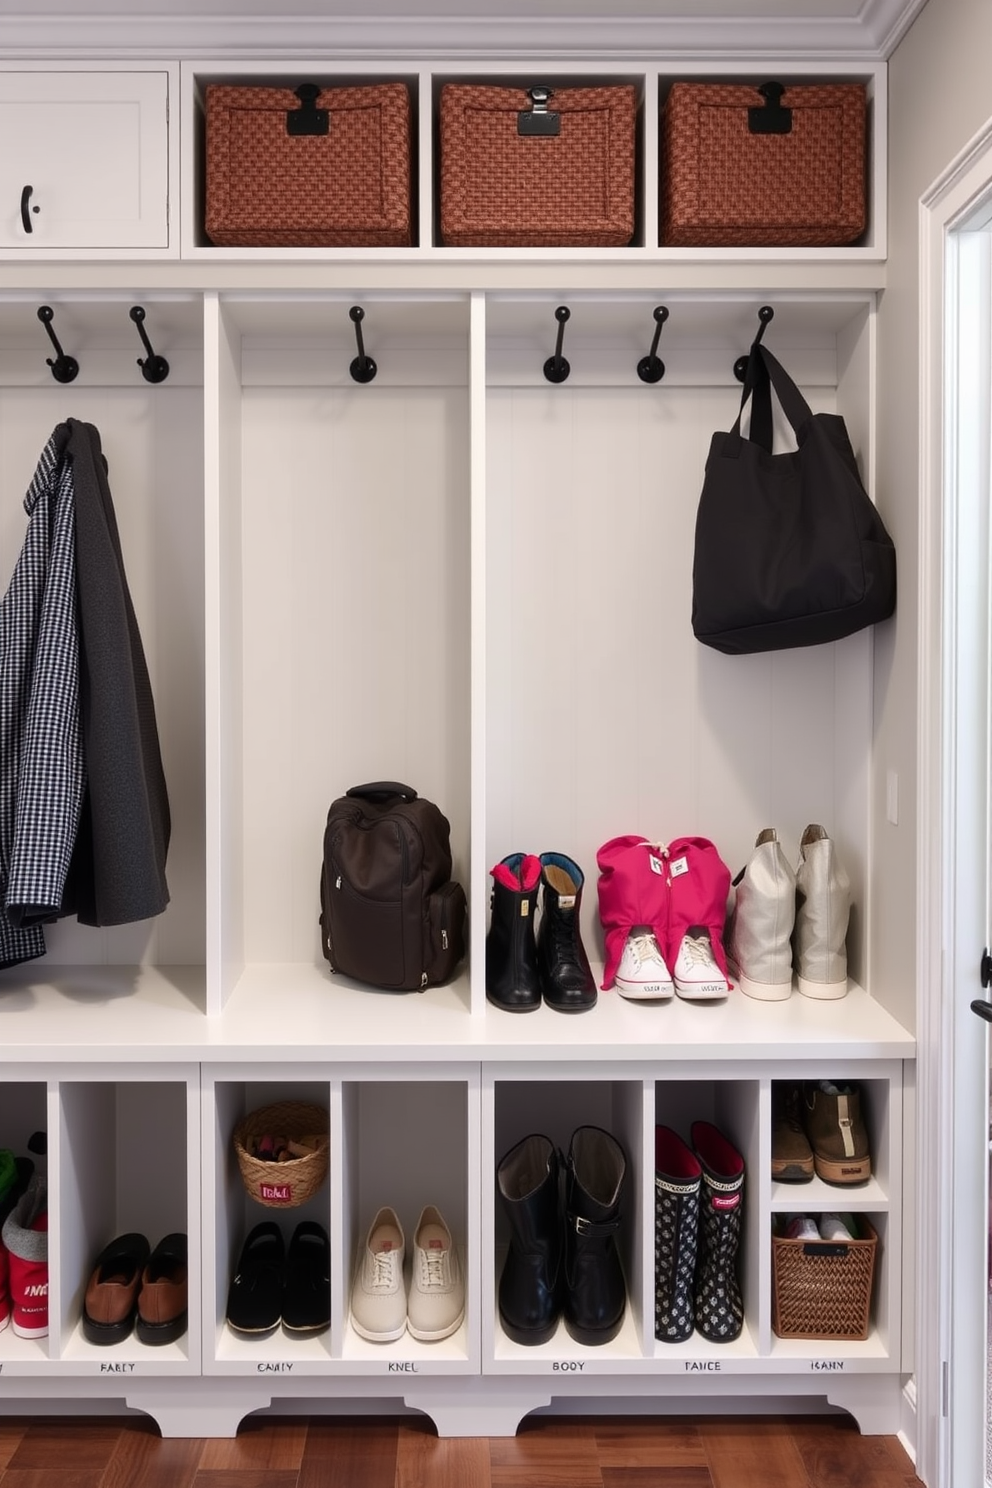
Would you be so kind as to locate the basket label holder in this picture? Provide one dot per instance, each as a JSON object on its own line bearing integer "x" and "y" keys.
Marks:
{"x": 537, "y": 122}
{"x": 308, "y": 118}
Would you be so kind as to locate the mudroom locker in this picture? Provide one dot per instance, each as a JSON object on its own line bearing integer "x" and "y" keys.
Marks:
{"x": 405, "y": 509}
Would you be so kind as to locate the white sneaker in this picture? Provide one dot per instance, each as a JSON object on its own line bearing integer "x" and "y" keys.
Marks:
{"x": 697, "y": 976}
{"x": 436, "y": 1303}
{"x": 642, "y": 973}
{"x": 378, "y": 1298}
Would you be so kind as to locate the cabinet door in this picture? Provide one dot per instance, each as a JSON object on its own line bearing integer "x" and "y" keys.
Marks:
{"x": 83, "y": 160}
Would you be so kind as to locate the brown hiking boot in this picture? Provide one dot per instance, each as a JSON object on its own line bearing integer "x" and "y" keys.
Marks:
{"x": 836, "y": 1132}
{"x": 792, "y": 1156}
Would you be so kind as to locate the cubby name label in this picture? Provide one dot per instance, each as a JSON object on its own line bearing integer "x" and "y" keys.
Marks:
{"x": 116, "y": 1368}
{"x": 711, "y": 1366}
{"x": 826, "y": 1365}
{"x": 394, "y": 1368}
{"x": 274, "y": 1368}
{"x": 568, "y": 1366}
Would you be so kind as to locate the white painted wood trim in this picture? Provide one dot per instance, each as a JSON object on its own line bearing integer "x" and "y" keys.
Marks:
{"x": 949, "y": 201}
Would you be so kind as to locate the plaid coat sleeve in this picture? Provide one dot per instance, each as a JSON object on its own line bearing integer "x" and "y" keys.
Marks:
{"x": 42, "y": 769}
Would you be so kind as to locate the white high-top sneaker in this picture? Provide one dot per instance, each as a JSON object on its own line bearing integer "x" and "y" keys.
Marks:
{"x": 697, "y": 976}
{"x": 436, "y": 1301}
{"x": 378, "y": 1297}
{"x": 642, "y": 974}
{"x": 823, "y": 908}
{"x": 759, "y": 926}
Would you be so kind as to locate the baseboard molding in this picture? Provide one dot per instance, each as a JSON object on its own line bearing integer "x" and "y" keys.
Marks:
{"x": 907, "y": 1431}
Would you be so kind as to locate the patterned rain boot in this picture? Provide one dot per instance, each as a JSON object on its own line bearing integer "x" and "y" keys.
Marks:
{"x": 719, "y": 1308}
{"x": 677, "y": 1179}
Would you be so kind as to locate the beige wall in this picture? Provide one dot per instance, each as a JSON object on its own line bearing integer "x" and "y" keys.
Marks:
{"x": 940, "y": 95}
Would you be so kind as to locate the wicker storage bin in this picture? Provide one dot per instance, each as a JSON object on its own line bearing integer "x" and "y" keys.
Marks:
{"x": 283, "y": 1185}
{"x": 823, "y": 1288}
{"x": 308, "y": 168}
{"x": 506, "y": 180}
{"x": 727, "y": 182}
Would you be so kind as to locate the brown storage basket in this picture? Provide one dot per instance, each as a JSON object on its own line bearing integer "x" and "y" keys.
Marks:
{"x": 724, "y": 185}
{"x": 283, "y": 1185}
{"x": 823, "y": 1288}
{"x": 503, "y": 188}
{"x": 269, "y": 185}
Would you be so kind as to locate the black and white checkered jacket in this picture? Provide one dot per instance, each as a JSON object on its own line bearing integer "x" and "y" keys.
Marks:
{"x": 42, "y": 770}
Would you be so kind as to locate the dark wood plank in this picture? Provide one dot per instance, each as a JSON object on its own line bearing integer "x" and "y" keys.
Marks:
{"x": 144, "y": 1460}
{"x": 657, "y": 1477}
{"x": 426, "y": 1461}
{"x": 349, "y": 1454}
{"x": 836, "y": 1455}
{"x": 82, "y": 1445}
{"x": 546, "y": 1453}
{"x": 246, "y": 1477}
{"x": 260, "y": 1446}
{"x": 753, "y": 1454}
{"x": 53, "y": 1477}
{"x": 649, "y": 1443}
{"x": 11, "y": 1437}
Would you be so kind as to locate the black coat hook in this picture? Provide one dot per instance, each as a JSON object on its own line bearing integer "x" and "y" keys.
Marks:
{"x": 363, "y": 368}
{"x": 64, "y": 368}
{"x": 765, "y": 314}
{"x": 153, "y": 368}
{"x": 651, "y": 368}
{"x": 556, "y": 368}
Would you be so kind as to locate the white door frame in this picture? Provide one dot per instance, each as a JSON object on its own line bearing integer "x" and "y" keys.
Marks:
{"x": 952, "y": 830}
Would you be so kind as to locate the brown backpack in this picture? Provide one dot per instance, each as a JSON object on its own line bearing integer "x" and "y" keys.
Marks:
{"x": 390, "y": 913}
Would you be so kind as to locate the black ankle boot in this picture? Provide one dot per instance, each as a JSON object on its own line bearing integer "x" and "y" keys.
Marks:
{"x": 512, "y": 980}
{"x": 595, "y": 1294}
{"x": 566, "y": 979}
{"x": 530, "y": 1286}
{"x": 677, "y": 1177}
{"x": 719, "y": 1308}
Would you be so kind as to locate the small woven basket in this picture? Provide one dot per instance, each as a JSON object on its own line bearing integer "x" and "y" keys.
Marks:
{"x": 823, "y": 1288}
{"x": 723, "y": 185}
{"x": 283, "y": 1185}
{"x": 501, "y": 187}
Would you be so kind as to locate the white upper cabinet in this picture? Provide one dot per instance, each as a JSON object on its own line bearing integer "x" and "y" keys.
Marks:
{"x": 84, "y": 161}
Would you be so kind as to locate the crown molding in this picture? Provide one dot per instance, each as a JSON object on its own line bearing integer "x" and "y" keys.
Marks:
{"x": 387, "y": 28}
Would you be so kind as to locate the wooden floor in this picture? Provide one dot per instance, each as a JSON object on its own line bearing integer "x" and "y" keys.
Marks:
{"x": 565, "y": 1453}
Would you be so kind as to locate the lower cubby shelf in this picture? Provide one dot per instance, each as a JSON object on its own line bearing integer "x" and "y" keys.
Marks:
{"x": 151, "y": 1148}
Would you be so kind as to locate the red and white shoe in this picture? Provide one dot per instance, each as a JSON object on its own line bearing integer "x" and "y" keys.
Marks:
{"x": 642, "y": 975}
{"x": 697, "y": 976}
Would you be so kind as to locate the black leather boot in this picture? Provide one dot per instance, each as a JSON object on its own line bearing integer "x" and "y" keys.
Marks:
{"x": 677, "y": 1178}
{"x": 512, "y": 981}
{"x": 530, "y": 1287}
{"x": 566, "y": 979}
{"x": 595, "y": 1294}
{"x": 719, "y": 1308}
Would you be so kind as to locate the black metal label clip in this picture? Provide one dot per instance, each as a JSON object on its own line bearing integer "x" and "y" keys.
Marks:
{"x": 308, "y": 118}
{"x": 772, "y": 118}
{"x": 537, "y": 121}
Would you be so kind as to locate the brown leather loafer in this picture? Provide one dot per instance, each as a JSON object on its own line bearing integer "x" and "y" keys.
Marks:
{"x": 110, "y": 1304}
{"x": 162, "y": 1301}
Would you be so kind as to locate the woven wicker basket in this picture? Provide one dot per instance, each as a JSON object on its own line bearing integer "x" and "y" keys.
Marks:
{"x": 500, "y": 187}
{"x": 283, "y": 1185}
{"x": 823, "y": 1288}
{"x": 724, "y": 185}
{"x": 272, "y": 184}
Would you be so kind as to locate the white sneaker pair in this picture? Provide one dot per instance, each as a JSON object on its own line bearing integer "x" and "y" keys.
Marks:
{"x": 643, "y": 976}
{"x": 382, "y": 1308}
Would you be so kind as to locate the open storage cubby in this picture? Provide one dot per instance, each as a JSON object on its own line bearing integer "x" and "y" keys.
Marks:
{"x": 425, "y": 82}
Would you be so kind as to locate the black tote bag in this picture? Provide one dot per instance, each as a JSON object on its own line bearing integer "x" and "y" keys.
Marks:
{"x": 789, "y": 550}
